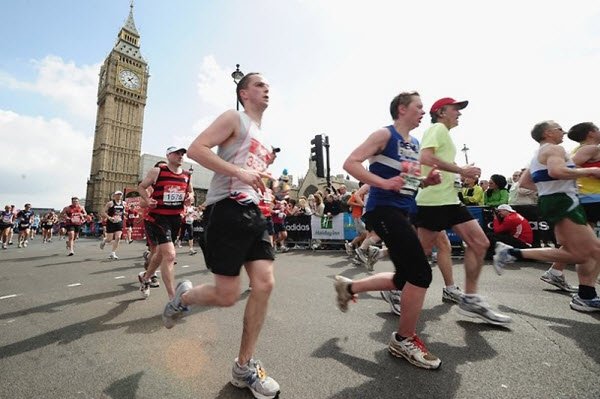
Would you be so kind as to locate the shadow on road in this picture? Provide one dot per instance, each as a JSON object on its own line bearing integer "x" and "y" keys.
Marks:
{"x": 585, "y": 335}
{"x": 73, "y": 332}
{"x": 56, "y": 306}
{"x": 125, "y": 388}
{"x": 230, "y": 392}
{"x": 390, "y": 376}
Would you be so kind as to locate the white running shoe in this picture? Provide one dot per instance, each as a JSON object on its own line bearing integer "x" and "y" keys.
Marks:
{"x": 502, "y": 257}
{"x": 414, "y": 350}
{"x": 254, "y": 377}
{"x": 341, "y": 284}
{"x": 144, "y": 285}
{"x": 174, "y": 310}
{"x": 393, "y": 298}
{"x": 349, "y": 249}
{"x": 475, "y": 306}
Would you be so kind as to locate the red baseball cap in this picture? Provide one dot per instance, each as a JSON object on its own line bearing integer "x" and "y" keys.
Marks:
{"x": 442, "y": 102}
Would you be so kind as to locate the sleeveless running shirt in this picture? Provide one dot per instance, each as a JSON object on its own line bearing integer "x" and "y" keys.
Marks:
{"x": 169, "y": 192}
{"x": 249, "y": 151}
{"x": 398, "y": 157}
{"x": 6, "y": 217}
{"x": 589, "y": 187}
{"x": 547, "y": 184}
{"x": 117, "y": 209}
{"x": 75, "y": 215}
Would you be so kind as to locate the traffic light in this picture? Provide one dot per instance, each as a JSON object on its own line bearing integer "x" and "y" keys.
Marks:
{"x": 316, "y": 154}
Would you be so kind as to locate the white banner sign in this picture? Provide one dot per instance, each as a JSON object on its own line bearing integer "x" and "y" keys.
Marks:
{"x": 327, "y": 228}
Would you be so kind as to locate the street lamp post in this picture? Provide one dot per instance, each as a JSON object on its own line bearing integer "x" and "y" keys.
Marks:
{"x": 191, "y": 172}
{"x": 237, "y": 75}
{"x": 465, "y": 149}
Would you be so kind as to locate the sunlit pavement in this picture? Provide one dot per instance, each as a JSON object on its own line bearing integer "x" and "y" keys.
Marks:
{"x": 76, "y": 327}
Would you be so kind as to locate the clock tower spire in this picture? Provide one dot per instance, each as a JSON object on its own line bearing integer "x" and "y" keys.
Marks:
{"x": 121, "y": 99}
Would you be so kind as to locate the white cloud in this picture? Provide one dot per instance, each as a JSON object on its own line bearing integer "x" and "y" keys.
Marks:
{"x": 66, "y": 83}
{"x": 44, "y": 161}
{"x": 215, "y": 84}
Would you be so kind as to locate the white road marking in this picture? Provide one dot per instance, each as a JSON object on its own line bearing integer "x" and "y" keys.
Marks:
{"x": 9, "y": 296}
{"x": 185, "y": 266}
{"x": 118, "y": 277}
{"x": 74, "y": 285}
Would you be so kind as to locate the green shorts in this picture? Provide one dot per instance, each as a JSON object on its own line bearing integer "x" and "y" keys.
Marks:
{"x": 556, "y": 207}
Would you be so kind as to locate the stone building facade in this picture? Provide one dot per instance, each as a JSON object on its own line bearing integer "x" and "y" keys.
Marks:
{"x": 121, "y": 99}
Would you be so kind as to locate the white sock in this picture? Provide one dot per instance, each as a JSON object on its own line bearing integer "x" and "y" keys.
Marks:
{"x": 451, "y": 287}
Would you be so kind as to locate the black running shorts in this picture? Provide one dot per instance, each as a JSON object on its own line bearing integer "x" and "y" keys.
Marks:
{"x": 592, "y": 212}
{"x": 72, "y": 227}
{"x": 442, "y": 217}
{"x": 114, "y": 227}
{"x": 394, "y": 227}
{"x": 235, "y": 234}
{"x": 162, "y": 230}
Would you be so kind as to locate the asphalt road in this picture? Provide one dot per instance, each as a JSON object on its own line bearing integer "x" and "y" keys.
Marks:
{"x": 76, "y": 327}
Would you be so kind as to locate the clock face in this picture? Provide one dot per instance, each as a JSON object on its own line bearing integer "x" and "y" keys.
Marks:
{"x": 129, "y": 79}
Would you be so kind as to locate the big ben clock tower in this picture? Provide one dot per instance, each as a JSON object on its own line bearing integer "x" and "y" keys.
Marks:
{"x": 121, "y": 100}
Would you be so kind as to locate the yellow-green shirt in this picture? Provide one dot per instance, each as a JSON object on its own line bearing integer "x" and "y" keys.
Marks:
{"x": 437, "y": 137}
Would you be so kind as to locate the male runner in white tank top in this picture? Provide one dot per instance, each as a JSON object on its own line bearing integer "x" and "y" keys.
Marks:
{"x": 235, "y": 191}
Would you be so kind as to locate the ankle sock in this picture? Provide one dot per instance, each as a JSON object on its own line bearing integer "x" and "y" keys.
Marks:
{"x": 587, "y": 292}
{"x": 516, "y": 253}
{"x": 400, "y": 337}
{"x": 349, "y": 288}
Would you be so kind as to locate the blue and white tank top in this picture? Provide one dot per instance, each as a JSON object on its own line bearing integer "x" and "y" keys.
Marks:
{"x": 399, "y": 157}
{"x": 547, "y": 184}
{"x": 248, "y": 151}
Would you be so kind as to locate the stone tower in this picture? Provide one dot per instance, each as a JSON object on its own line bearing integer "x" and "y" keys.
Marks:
{"x": 122, "y": 90}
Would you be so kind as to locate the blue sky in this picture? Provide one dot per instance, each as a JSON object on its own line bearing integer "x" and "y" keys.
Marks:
{"x": 333, "y": 67}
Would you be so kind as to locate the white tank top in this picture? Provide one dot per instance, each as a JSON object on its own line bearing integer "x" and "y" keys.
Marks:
{"x": 248, "y": 151}
{"x": 547, "y": 184}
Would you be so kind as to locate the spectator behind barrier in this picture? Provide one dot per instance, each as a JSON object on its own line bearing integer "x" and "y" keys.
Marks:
{"x": 496, "y": 194}
{"x": 471, "y": 193}
{"x": 518, "y": 195}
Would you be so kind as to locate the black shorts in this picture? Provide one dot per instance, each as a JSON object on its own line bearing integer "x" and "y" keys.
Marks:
{"x": 189, "y": 228}
{"x": 23, "y": 227}
{"x": 270, "y": 227}
{"x": 365, "y": 220}
{"x": 4, "y": 226}
{"x": 278, "y": 227}
{"x": 442, "y": 217}
{"x": 114, "y": 227}
{"x": 47, "y": 226}
{"x": 592, "y": 212}
{"x": 394, "y": 227}
{"x": 235, "y": 234}
{"x": 72, "y": 227}
{"x": 162, "y": 230}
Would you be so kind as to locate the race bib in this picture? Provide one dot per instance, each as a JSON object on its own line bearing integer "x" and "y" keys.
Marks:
{"x": 76, "y": 219}
{"x": 258, "y": 156}
{"x": 173, "y": 195}
{"x": 411, "y": 182}
{"x": 7, "y": 219}
{"x": 411, "y": 173}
